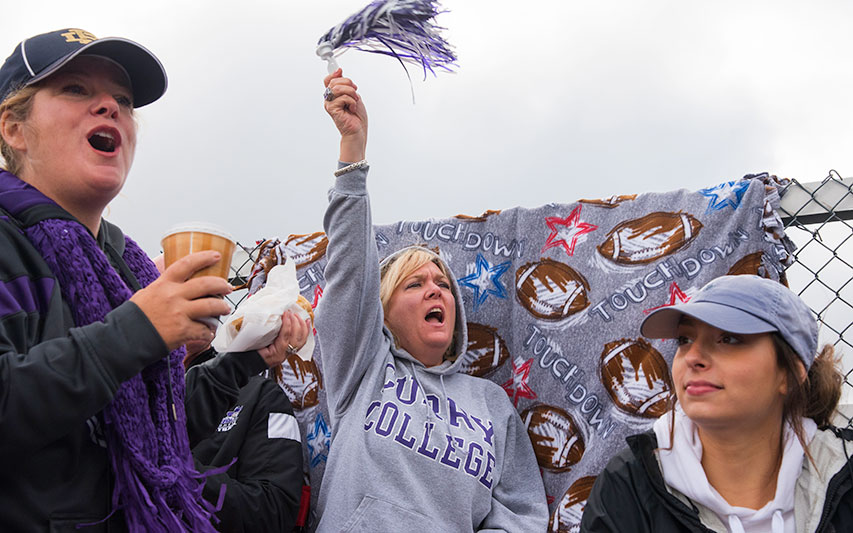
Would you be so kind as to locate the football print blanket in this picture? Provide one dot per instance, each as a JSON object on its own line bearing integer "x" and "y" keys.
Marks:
{"x": 554, "y": 297}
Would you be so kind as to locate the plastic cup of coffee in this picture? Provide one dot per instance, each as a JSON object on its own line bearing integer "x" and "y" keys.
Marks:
{"x": 191, "y": 237}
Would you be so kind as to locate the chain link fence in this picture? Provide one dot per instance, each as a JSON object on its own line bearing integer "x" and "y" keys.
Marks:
{"x": 818, "y": 218}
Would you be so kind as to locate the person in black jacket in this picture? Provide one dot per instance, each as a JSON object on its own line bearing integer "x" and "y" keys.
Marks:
{"x": 241, "y": 420}
{"x": 749, "y": 445}
{"x": 91, "y": 336}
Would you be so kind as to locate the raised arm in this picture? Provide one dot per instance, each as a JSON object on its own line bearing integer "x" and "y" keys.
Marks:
{"x": 347, "y": 110}
{"x": 349, "y": 319}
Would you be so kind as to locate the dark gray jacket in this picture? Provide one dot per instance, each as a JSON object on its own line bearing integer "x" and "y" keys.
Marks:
{"x": 233, "y": 414}
{"x": 55, "y": 378}
{"x": 630, "y": 494}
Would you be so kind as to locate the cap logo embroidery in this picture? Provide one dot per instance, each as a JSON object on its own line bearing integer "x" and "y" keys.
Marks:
{"x": 78, "y": 36}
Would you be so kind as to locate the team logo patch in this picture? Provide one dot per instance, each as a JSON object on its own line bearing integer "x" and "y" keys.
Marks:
{"x": 75, "y": 35}
{"x": 230, "y": 419}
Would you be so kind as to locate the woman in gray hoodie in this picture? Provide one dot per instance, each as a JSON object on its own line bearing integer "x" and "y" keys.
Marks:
{"x": 417, "y": 445}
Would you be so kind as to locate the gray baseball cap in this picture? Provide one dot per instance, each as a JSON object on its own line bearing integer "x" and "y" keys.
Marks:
{"x": 743, "y": 304}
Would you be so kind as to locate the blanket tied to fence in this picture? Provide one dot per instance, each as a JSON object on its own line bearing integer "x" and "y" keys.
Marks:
{"x": 554, "y": 297}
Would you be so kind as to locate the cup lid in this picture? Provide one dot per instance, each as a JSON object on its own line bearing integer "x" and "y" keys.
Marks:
{"x": 199, "y": 227}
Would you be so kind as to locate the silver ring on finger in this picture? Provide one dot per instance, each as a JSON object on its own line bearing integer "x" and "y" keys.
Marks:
{"x": 328, "y": 95}
{"x": 290, "y": 348}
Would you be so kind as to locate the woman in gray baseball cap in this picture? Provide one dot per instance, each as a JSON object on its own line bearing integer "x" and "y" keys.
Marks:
{"x": 91, "y": 380}
{"x": 749, "y": 444}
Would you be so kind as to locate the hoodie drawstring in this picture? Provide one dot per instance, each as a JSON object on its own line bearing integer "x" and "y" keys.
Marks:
{"x": 777, "y": 523}
{"x": 430, "y": 413}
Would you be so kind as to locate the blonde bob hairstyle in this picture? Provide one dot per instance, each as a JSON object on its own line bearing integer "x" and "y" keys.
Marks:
{"x": 18, "y": 106}
{"x": 400, "y": 267}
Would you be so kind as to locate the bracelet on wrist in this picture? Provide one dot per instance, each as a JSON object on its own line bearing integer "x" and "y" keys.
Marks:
{"x": 349, "y": 168}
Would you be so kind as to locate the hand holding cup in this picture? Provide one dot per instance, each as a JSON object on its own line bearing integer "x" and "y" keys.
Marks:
{"x": 177, "y": 300}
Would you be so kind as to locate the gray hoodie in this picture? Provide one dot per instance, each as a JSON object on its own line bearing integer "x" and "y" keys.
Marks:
{"x": 414, "y": 449}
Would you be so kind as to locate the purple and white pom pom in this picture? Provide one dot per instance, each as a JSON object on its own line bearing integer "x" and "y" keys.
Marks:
{"x": 400, "y": 28}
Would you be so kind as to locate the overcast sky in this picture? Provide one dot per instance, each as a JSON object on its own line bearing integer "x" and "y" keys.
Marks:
{"x": 554, "y": 100}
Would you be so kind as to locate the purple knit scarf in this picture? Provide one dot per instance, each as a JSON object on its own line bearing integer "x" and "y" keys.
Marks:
{"x": 156, "y": 485}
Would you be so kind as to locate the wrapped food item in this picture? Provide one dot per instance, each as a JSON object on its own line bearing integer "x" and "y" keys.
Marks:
{"x": 255, "y": 324}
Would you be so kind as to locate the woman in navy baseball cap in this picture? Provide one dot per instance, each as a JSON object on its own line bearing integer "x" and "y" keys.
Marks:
{"x": 91, "y": 340}
{"x": 749, "y": 445}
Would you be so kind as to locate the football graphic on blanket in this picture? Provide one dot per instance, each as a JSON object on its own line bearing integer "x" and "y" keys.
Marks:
{"x": 567, "y": 515}
{"x": 306, "y": 249}
{"x": 636, "y": 376}
{"x": 301, "y": 381}
{"x": 609, "y": 203}
{"x": 481, "y": 218}
{"x": 557, "y": 441}
{"x": 486, "y": 350}
{"x": 749, "y": 264}
{"x": 646, "y": 239}
{"x": 551, "y": 290}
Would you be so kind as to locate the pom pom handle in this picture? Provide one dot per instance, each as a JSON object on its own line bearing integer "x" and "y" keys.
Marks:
{"x": 326, "y": 52}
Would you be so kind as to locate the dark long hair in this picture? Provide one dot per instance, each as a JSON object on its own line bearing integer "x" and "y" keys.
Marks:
{"x": 815, "y": 397}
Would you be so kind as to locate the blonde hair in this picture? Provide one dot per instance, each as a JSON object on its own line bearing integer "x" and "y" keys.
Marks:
{"x": 401, "y": 267}
{"x": 18, "y": 105}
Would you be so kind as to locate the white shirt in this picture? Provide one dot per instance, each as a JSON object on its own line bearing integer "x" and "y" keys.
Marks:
{"x": 682, "y": 470}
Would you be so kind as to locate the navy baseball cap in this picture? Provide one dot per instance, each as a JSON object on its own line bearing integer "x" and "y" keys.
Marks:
{"x": 743, "y": 304}
{"x": 38, "y": 57}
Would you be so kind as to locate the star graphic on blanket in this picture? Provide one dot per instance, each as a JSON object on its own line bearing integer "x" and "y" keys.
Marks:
{"x": 318, "y": 293}
{"x": 724, "y": 195}
{"x": 485, "y": 280}
{"x": 567, "y": 232}
{"x": 675, "y": 293}
{"x": 318, "y": 441}
{"x": 517, "y": 386}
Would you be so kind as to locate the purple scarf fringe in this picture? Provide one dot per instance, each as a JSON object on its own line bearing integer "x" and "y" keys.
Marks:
{"x": 156, "y": 484}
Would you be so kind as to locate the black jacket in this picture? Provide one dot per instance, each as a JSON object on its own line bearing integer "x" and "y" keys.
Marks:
{"x": 630, "y": 495}
{"x": 54, "y": 379}
{"x": 232, "y": 413}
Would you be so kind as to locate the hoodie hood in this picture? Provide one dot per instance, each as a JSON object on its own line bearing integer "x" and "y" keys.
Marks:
{"x": 452, "y": 364}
